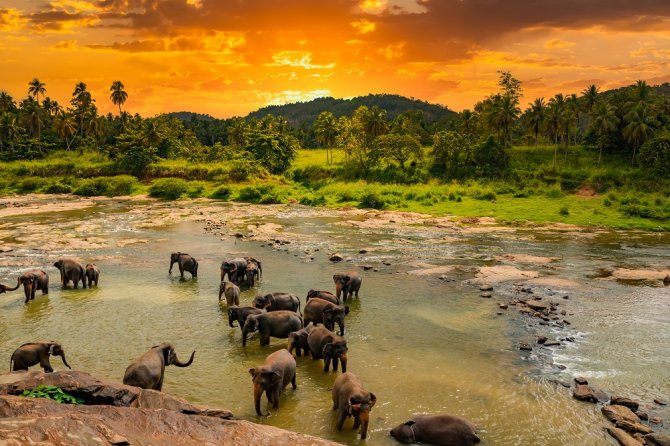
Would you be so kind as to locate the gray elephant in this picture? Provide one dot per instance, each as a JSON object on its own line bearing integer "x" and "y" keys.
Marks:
{"x": 185, "y": 263}
{"x": 240, "y": 314}
{"x": 319, "y": 311}
{"x": 326, "y": 345}
{"x": 350, "y": 399}
{"x": 71, "y": 270}
{"x": 33, "y": 280}
{"x": 325, "y": 295}
{"x": 442, "y": 430}
{"x": 147, "y": 370}
{"x": 297, "y": 341}
{"x": 235, "y": 268}
{"x": 253, "y": 271}
{"x": 277, "y": 324}
{"x": 347, "y": 284}
{"x": 33, "y": 353}
{"x": 272, "y": 377}
{"x": 92, "y": 274}
{"x": 277, "y": 301}
{"x": 231, "y": 291}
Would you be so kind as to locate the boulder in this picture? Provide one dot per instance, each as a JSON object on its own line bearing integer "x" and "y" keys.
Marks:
{"x": 581, "y": 380}
{"x": 633, "y": 427}
{"x": 660, "y": 402}
{"x": 524, "y": 346}
{"x": 584, "y": 393}
{"x": 616, "y": 413}
{"x": 622, "y": 437}
{"x": 485, "y": 287}
{"x": 657, "y": 439}
{"x": 336, "y": 258}
{"x": 623, "y": 401}
{"x": 537, "y": 305}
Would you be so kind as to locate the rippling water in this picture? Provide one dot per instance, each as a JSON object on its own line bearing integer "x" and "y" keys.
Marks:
{"x": 420, "y": 344}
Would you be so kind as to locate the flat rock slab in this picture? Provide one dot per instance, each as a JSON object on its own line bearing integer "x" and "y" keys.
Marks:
{"x": 623, "y": 437}
{"x": 616, "y": 413}
{"x": 657, "y": 439}
{"x": 502, "y": 273}
{"x": 527, "y": 258}
{"x": 436, "y": 270}
{"x": 639, "y": 274}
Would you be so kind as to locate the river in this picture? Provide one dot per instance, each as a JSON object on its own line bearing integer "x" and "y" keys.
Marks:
{"x": 420, "y": 343}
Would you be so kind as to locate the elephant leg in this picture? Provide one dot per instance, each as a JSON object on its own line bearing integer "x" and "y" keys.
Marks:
{"x": 335, "y": 363}
{"x": 181, "y": 270}
{"x": 265, "y": 340}
{"x": 326, "y": 364}
{"x": 275, "y": 397}
{"x": 293, "y": 382}
{"x": 159, "y": 384}
{"x": 341, "y": 416}
{"x": 357, "y": 421}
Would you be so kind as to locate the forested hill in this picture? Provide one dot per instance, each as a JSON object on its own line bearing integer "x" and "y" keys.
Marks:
{"x": 306, "y": 112}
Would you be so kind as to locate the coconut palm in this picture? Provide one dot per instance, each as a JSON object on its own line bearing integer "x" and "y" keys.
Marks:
{"x": 508, "y": 113}
{"x": 590, "y": 95}
{"x": 9, "y": 129}
{"x": 326, "y": 130}
{"x": 118, "y": 96}
{"x": 639, "y": 126}
{"x": 467, "y": 122}
{"x": 237, "y": 131}
{"x": 6, "y": 102}
{"x": 536, "y": 116}
{"x": 374, "y": 123}
{"x": 36, "y": 88}
{"x": 65, "y": 127}
{"x": 603, "y": 122}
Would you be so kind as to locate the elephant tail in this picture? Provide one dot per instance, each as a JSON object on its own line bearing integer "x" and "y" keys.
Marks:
{"x": 11, "y": 361}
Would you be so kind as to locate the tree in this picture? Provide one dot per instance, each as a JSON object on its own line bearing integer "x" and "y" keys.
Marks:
{"x": 65, "y": 127}
{"x": 237, "y": 131}
{"x": 603, "y": 121}
{"x": 590, "y": 95}
{"x": 9, "y": 130}
{"x": 118, "y": 96}
{"x": 536, "y": 116}
{"x": 452, "y": 153}
{"x": 556, "y": 119}
{"x": 400, "y": 148}
{"x": 467, "y": 122}
{"x": 639, "y": 126}
{"x": 508, "y": 113}
{"x": 36, "y": 88}
{"x": 374, "y": 123}
{"x": 655, "y": 154}
{"x": 326, "y": 130}
{"x": 6, "y": 102}
{"x": 275, "y": 151}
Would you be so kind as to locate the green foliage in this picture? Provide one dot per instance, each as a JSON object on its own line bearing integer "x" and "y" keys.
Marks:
{"x": 31, "y": 184}
{"x": 655, "y": 154}
{"x": 564, "y": 210}
{"x": 274, "y": 151}
{"x": 399, "y": 148}
{"x": 222, "y": 193}
{"x": 491, "y": 159}
{"x": 262, "y": 194}
{"x": 487, "y": 195}
{"x": 106, "y": 186}
{"x": 58, "y": 186}
{"x": 372, "y": 199}
{"x": 53, "y": 393}
{"x": 168, "y": 188}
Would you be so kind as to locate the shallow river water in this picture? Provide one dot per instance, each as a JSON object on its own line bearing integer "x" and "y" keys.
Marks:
{"x": 421, "y": 344}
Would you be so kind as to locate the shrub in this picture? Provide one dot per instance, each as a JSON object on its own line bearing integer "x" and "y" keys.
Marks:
{"x": 31, "y": 184}
{"x": 313, "y": 200}
{"x": 168, "y": 188}
{"x": 58, "y": 187}
{"x": 554, "y": 192}
{"x": 372, "y": 200}
{"x": 108, "y": 186}
{"x": 607, "y": 202}
{"x": 485, "y": 195}
{"x": 53, "y": 393}
{"x": 263, "y": 194}
{"x": 655, "y": 154}
{"x": 222, "y": 193}
{"x": 564, "y": 210}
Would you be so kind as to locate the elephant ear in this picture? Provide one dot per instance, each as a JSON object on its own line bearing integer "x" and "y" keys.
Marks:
{"x": 346, "y": 311}
{"x": 167, "y": 355}
{"x": 410, "y": 423}
{"x": 373, "y": 400}
{"x": 51, "y": 349}
{"x": 252, "y": 372}
{"x": 328, "y": 348}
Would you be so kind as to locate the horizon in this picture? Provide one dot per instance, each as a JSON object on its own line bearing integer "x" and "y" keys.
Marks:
{"x": 225, "y": 61}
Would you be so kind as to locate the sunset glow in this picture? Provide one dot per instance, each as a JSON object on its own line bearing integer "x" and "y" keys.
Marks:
{"x": 228, "y": 58}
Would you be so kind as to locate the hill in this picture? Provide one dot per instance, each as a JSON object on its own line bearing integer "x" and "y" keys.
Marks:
{"x": 306, "y": 112}
{"x": 187, "y": 116}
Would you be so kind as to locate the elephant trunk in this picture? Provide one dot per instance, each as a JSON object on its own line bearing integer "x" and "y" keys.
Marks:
{"x": 28, "y": 288}
{"x": 258, "y": 392}
{"x": 64, "y": 361}
{"x": 172, "y": 262}
{"x": 343, "y": 360}
{"x": 6, "y": 288}
{"x": 364, "y": 417}
{"x": 230, "y": 320}
{"x": 178, "y": 363}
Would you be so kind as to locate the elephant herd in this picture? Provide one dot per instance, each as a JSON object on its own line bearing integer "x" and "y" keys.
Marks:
{"x": 309, "y": 331}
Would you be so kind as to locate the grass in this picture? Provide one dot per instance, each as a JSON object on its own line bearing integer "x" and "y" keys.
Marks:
{"x": 534, "y": 193}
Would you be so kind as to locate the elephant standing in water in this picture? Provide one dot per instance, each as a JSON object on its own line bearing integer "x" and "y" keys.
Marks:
{"x": 33, "y": 353}
{"x": 326, "y": 345}
{"x": 254, "y": 271}
{"x": 33, "y": 280}
{"x": 350, "y": 399}
{"x": 347, "y": 284}
{"x": 235, "y": 268}
{"x": 272, "y": 377}
{"x": 240, "y": 314}
{"x": 71, "y": 269}
{"x": 92, "y": 274}
{"x": 185, "y": 263}
{"x": 147, "y": 371}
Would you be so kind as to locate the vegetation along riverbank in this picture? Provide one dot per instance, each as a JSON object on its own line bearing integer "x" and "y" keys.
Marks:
{"x": 592, "y": 159}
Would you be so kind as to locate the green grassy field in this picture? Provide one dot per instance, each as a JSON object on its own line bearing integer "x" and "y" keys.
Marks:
{"x": 535, "y": 192}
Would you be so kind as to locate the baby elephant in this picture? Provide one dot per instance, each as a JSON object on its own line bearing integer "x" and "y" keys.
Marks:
{"x": 347, "y": 284}
{"x": 325, "y": 295}
{"x": 231, "y": 291}
{"x": 185, "y": 263}
{"x": 272, "y": 377}
{"x": 321, "y": 311}
{"x": 443, "y": 430}
{"x": 277, "y": 301}
{"x": 240, "y": 314}
{"x": 92, "y": 274}
{"x": 298, "y": 340}
{"x": 350, "y": 399}
{"x": 326, "y": 345}
{"x": 36, "y": 352}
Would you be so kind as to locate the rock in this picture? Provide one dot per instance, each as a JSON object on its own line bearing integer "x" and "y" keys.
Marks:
{"x": 536, "y": 305}
{"x": 503, "y": 306}
{"x": 633, "y": 427}
{"x": 623, "y": 401}
{"x": 552, "y": 344}
{"x": 366, "y": 267}
{"x": 336, "y": 258}
{"x": 363, "y": 251}
{"x": 656, "y": 420}
{"x": 485, "y": 287}
{"x": 600, "y": 395}
{"x": 387, "y": 263}
{"x": 642, "y": 415}
{"x": 660, "y": 402}
{"x": 487, "y": 295}
{"x": 524, "y": 346}
{"x": 566, "y": 297}
{"x": 657, "y": 439}
{"x": 541, "y": 339}
{"x": 584, "y": 393}
{"x": 622, "y": 437}
{"x": 239, "y": 235}
{"x": 616, "y": 413}
{"x": 666, "y": 280}
{"x": 581, "y": 380}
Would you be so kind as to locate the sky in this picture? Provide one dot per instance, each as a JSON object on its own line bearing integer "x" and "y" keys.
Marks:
{"x": 229, "y": 57}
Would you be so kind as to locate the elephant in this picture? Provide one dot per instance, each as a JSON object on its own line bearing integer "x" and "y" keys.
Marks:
{"x": 185, "y": 263}
{"x": 325, "y": 295}
{"x": 92, "y": 274}
{"x": 240, "y": 314}
{"x": 147, "y": 370}
{"x": 347, "y": 284}
{"x": 350, "y": 399}
{"x": 272, "y": 377}
{"x": 235, "y": 268}
{"x": 231, "y": 291}
{"x": 71, "y": 269}
{"x": 33, "y": 353}
{"x": 321, "y": 311}
{"x": 326, "y": 345}
{"x": 442, "y": 430}
{"x": 33, "y": 280}
{"x": 277, "y": 324}
{"x": 277, "y": 301}
{"x": 298, "y": 340}
{"x": 253, "y": 271}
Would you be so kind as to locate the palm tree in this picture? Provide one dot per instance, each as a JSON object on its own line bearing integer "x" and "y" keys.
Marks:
{"x": 590, "y": 95}
{"x": 326, "y": 130}
{"x": 572, "y": 115}
{"x": 237, "y": 131}
{"x": 6, "y": 102}
{"x": 118, "y": 95}
{"x": 536, "y": 115}
{"x": 640, "y": 125}
{"x": 81, "y": 99}
{"x": 467, "y": 122}
{"x": 9, "y": 129}
{"x": 374, "y": 123}
{"x": 36, "y": 88}
{"x": 508, "y": 113}
{"x": 65, "y": 127}
{"x": 604, "y": 121}
{"x": 556, "y": 118}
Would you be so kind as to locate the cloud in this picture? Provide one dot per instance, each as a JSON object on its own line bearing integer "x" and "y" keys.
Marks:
{"x": 65, "y": 44}
{"x": 363, "y": 26}
{"x": 558, "y": 43}
{"x": 11, "y": 20}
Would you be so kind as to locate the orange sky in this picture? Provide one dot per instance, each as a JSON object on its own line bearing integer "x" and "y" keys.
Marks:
{"x": 229, "y": 57}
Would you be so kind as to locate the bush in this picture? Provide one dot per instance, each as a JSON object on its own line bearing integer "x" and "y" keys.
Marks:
{"x": 262, "y": 194}
{"x": 57, "y": 187}
{"x": 31, "y": 184}
{"x": 564, "y": 210}
{"x": 655, "y": 154}
{"x": 107, "y": 186}
{"x": 554, "y": 193}
{"x": 607, "y": 202}
{"x": 53, "y": 393}
{"x": 222, "y": 193}
{"x": 168, "y": 188}
{"x": 313, "y": 200}
{"x": 485, "y": 195}
{"x": 372, "y": 200}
